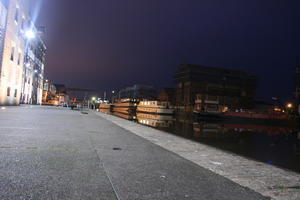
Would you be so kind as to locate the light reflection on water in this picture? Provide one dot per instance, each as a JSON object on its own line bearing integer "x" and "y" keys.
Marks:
{"x": 273, "y": 145}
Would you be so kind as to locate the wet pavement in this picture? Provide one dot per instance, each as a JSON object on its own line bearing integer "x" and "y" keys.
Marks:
{"x": 56, "y": 153}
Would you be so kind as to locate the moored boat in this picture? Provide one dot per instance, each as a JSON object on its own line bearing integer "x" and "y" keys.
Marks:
{"x": 155, "y": 107}
{"x": 125, "y": 106}
{"x": 211, "y": 110}
{"x": 105, "y": 108}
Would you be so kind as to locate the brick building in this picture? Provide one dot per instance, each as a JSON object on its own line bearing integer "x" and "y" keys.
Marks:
{"x": 233, "y": 88}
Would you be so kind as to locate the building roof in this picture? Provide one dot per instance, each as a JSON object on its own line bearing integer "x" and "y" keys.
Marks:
{"x": 201, "y": 73}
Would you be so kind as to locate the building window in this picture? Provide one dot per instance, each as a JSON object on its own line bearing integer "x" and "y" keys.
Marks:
{"x": 16, "y": 92}
{"x": 19, "y": 58}
{"x": 17, "y": 15}
{"x": 8, "y": 91}
{"x": 12, "y": 53}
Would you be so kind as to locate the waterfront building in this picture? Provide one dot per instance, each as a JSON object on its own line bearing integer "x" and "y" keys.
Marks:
{"x": 141, "y": 92}
{"x": 3, "y": 15}
{"x": 167, "y": 94}
{"x": 13, "y": 39}
{"x": 49, "y": 93}
{"x": 62, "y": 95}
{"x": 33, "y": 72}
{"x": 232, "y": 88}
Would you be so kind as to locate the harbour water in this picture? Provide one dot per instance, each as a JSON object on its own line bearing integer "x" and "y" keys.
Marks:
{"x": 274, "y": 145}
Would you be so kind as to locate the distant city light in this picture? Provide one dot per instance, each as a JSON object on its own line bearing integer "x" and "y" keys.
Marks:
{"x": 30, "y": 34}
{"x": 289, "y": 105}
{"x": 277, "y": 109}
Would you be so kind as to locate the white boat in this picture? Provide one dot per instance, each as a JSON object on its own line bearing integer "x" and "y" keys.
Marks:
{"x": 155, "y": 107}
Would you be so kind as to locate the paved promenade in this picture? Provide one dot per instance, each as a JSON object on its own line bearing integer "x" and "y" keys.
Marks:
{"x": 56, "y": 153}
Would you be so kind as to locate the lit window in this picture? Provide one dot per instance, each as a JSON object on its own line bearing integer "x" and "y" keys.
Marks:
{"x": 8, "y": 91}
{"x": 12, "y": 53}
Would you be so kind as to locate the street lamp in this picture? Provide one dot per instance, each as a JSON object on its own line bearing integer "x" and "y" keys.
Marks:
{"x": 93, "y": 98}
{"x": 289, "y": 105}
{"x": 30, "y": 34}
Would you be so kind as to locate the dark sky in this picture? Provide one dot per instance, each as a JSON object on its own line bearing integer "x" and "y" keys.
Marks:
{"x": 111, "y": 44}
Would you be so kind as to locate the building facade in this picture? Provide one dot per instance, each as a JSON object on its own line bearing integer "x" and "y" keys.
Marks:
{"x": 11, "y": 69}
{"x": 167, "y": 94}
{"x": 49, "y": 93}
{"x": 233, "y": 88}
{"x": 33, "y": 73}
{"x": 3, "y": 17}
{"x": 138, "y": 92}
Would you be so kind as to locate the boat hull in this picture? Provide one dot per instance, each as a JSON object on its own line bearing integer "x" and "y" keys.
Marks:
{"x": 157, "y": 111}
{"x": 221, "y": 118}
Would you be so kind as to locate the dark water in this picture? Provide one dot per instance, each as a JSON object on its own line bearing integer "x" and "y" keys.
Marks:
{"x": 273, "y": 145}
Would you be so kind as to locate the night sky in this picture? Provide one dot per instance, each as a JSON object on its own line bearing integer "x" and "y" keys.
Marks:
{"x": 111, "y": 44}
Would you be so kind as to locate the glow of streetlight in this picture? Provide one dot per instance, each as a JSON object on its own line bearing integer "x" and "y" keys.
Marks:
{"x": 30, "y": 34}
{"x": 289, "y": 105}
{"x": 93, "y": 98}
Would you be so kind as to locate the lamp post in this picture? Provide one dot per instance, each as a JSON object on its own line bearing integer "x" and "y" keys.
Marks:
{"x": 112, "y": 96}
{"x": 93, "y": 102}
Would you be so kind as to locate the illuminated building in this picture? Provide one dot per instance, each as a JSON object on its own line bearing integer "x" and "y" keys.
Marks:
{"x": 49, "y": 93}
{"x": 33, "y": 73}
{"x": 3, "y": 15}
{"x": 233, "y": 88}
{"x": 13, "y": 44}
{"x": 62, "y": 95}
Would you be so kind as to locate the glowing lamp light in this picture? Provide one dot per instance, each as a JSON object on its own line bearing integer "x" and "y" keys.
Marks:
{"x": 289, "y": 105}
{"x": 93, "y": 98}
{"x": 30, "y": 34}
